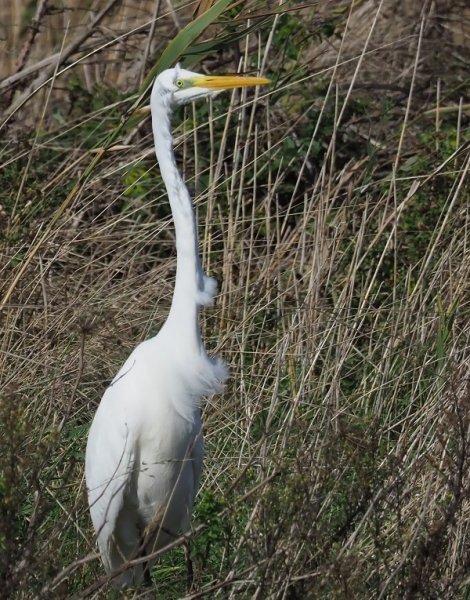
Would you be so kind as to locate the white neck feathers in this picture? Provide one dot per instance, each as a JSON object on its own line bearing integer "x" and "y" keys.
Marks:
{"x": 192, "y": 287}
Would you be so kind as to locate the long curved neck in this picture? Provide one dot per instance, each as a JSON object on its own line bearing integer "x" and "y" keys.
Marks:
{"x": 184, "y": 313}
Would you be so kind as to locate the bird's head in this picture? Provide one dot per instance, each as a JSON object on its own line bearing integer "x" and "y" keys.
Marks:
{"x": 175, "y": 87}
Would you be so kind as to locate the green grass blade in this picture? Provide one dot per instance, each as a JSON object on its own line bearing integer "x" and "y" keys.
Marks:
{"x": 184, "y": 39}
{"x": 200, "y": 50}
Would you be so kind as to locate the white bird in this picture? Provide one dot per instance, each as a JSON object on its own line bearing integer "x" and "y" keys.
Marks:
{"x": 145, "y": 446}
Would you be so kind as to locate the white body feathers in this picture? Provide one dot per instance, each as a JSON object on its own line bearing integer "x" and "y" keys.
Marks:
{"x": 145, "y": 446}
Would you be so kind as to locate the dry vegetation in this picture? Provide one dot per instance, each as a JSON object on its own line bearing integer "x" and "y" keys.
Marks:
{"x": 333, "y": 210}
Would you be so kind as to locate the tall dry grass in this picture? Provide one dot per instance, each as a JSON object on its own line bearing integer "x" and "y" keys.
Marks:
{"x": 336, "y": 221}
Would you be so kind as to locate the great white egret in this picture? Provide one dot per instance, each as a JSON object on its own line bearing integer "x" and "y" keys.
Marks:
{"x": 145, "y": 446}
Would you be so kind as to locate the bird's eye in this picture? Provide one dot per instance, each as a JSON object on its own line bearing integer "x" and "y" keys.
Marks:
{"x": 179, "y": 83}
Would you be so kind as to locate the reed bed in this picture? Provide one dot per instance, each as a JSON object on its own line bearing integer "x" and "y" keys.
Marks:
{"x": 335, "y": 218}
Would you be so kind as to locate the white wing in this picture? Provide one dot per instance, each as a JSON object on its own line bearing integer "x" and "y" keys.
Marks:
{"x": 137, "y": 469}
{"x": 109, "y": 470}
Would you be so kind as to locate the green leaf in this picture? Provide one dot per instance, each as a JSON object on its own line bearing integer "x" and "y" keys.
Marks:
{"x": 182, "y": 41}
{"x": 198, "y": 51}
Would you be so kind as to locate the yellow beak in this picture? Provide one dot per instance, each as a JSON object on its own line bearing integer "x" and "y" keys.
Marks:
{"x": 225, "y": 82}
